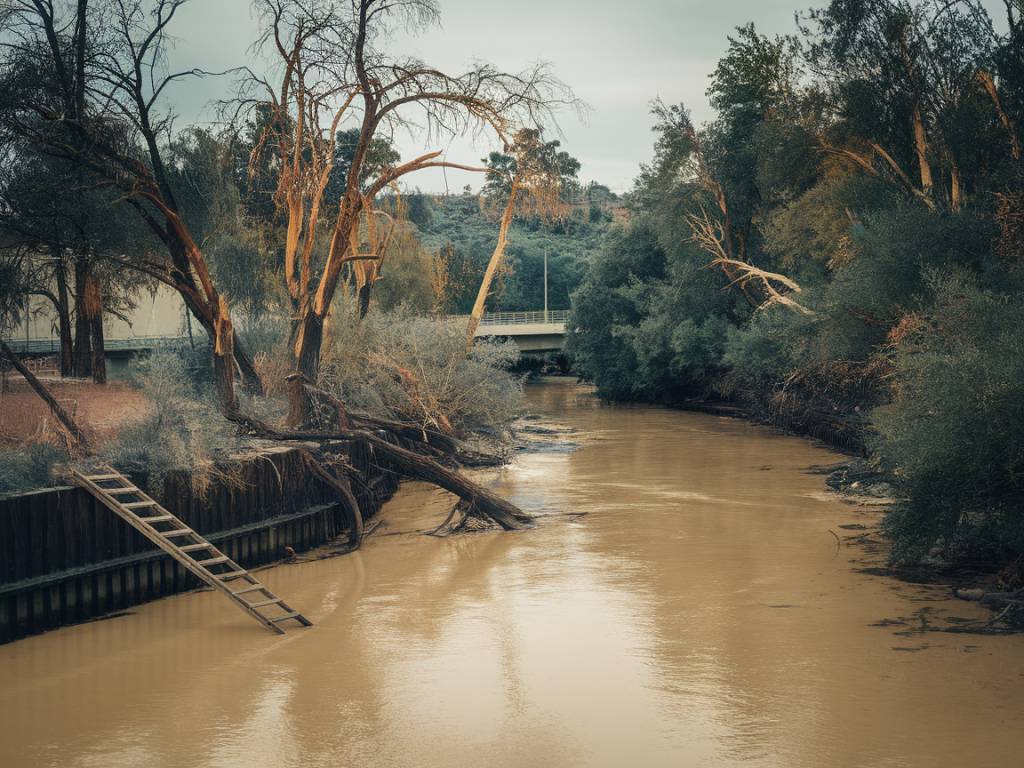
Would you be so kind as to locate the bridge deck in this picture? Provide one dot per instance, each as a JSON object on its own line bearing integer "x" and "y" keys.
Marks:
{"x": 533, "y": 331}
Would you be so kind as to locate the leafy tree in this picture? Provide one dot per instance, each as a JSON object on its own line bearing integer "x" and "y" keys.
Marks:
{"x": 858, "y": 195}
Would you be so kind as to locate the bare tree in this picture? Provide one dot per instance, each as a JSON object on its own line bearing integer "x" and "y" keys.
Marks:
{"x": 330, "y": 72}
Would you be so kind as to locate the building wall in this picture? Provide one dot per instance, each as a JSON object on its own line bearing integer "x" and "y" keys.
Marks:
{"x": 159, "y": 314}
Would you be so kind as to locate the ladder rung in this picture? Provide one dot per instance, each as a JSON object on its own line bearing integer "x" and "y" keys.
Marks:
{"x": 211, "y": 561}
{"x": 118, "y": 500}
{"x": 264, "y": 603}
{"x": 257, "y": 588}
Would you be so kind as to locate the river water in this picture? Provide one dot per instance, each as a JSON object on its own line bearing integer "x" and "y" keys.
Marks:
{"x": 701, "y": 613}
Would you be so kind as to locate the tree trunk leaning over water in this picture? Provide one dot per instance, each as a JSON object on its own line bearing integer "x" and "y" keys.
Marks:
{"x": 479, "y": 501}
{"x": 492, "y": 266}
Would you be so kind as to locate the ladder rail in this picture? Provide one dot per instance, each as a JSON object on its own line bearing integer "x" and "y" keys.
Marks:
{"x": 163, "y": 541}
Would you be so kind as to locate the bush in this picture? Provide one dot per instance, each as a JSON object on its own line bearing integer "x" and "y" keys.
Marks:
{"x": 953, "y": 437}
{"x": 400, "y": 366}
{"x": 761, "y": 353}
{"x": 28, "y": 467}
{"x": 184, "y": 431}
{"x": 649, "y": 320}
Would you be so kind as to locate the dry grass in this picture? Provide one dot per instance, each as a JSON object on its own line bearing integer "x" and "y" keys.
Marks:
{"x": 100, "y": 410}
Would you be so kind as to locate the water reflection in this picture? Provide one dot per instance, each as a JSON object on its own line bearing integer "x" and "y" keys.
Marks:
{"x": 698, "y": 615}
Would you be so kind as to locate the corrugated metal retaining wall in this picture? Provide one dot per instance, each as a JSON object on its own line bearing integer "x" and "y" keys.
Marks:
{"x": 65, "y": 558}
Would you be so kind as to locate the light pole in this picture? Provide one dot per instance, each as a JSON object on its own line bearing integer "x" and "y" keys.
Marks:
{"x": 545, "y": 284}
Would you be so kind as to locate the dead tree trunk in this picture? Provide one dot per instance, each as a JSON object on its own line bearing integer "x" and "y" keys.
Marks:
{"x": 74, "y": 432}
{"x": 492, "y": 267}
{"x": 478, "y": 500}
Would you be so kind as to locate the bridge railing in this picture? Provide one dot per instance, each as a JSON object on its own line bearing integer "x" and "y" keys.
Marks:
{"x": 51, "y": 345}
{"x": 525, "y": 318}
{"x": 134, "y": 343}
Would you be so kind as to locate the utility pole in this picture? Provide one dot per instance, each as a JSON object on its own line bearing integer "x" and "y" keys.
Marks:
{"x": 545, "y": 284}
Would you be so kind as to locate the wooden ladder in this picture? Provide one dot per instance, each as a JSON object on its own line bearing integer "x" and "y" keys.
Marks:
{"x": 190, "y": 549}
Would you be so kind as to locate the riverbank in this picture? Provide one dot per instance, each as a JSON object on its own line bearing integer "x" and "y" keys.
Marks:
{"x": 65, "y": 558}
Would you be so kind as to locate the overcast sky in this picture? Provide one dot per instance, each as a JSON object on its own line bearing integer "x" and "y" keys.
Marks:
{"x": 617, "y": 56}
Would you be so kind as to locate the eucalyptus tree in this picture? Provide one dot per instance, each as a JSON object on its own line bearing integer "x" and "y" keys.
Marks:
{"x": 84, "y": 82}
{"x": 333, "y": 79}
{"x": 905, "y": 82}
{"x": 528, "y": 179}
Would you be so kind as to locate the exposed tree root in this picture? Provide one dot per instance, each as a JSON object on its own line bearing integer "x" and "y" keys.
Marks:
{"x": 343, "y": 488}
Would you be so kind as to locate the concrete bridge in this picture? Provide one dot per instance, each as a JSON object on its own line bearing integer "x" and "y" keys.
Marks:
{"x": 531, "y": 331}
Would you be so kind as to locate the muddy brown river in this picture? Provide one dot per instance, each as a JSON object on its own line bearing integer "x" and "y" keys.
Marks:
{"x": 699, "y": 614}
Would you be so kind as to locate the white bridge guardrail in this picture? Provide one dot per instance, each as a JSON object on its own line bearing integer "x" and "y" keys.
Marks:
{"x": 51, "y": 345}
{"x": 554, "y": 316}
{"x": 135, "y": 343}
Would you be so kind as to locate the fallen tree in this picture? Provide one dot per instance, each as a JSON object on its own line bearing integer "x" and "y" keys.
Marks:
{"x": 478, "y": 501}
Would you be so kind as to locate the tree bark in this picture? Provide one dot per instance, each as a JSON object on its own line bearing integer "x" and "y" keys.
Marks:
{"x": 364, "y": 300}
{"x": 492, "y": 267}
{"x": 63, "y": 310}
{"x": 74, "y": 432}
{"x": 307, "y": 360}
{"x": 82, "y": 354}
{"x": 989, "y": 84}
{"x": 921, "y": 150}
{"x": 93, "y": 309}
{"x": 955, "y": 188}
{"x": 224, "y": 360}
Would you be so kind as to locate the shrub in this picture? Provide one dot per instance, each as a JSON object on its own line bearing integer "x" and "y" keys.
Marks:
{"x": 28, "y": 467}
{"x": 953, "y": 437}
{"x": 184, "y": 430}
{"x": 397, "y": 365}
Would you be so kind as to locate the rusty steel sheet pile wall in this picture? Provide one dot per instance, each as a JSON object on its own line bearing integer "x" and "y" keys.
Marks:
{"x": 65, "y": 558}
